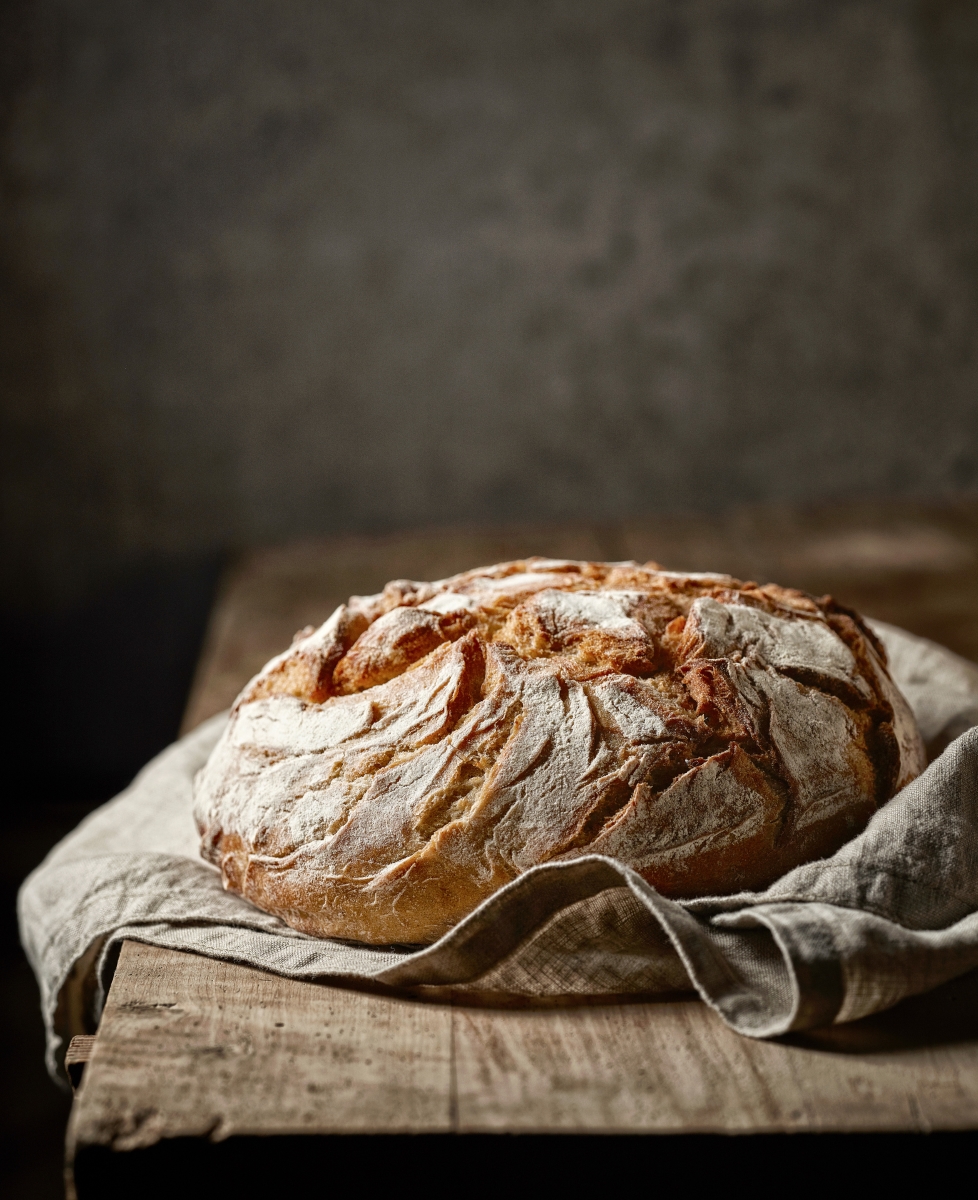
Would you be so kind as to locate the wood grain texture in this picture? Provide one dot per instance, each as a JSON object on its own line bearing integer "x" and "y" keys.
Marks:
{"x": 673, "y": 1067}
{"x": 76, "y": 1056}
{"x": 193, "y": 1047}
{"x": 189, "y": 1046}
{"x": 913, "y": 565}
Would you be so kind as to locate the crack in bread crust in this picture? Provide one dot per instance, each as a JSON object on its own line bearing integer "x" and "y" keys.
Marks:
{"x": 427, "y": 745}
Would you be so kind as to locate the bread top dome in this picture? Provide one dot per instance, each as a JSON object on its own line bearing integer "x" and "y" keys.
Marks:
{"x": 428, "y": 744}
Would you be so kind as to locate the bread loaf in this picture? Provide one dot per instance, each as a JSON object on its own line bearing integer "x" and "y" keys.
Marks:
{"x": 429, "y": 744}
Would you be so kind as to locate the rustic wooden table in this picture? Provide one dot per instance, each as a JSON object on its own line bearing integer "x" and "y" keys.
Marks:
{"x": 195, "y": 1052}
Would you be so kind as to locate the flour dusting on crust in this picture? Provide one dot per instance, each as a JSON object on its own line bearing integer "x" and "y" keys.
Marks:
{"x": 427, "y": 745}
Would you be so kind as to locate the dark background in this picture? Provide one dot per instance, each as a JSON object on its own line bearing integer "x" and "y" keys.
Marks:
{"x": 273, "y": 268}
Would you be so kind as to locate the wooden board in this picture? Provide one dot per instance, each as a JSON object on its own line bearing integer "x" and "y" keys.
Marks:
{"x": 191, "y": 1047}
{"x": 674, "y": 1067}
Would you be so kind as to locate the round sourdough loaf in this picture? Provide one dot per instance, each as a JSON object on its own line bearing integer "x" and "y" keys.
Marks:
{"x": 427, "y": 745}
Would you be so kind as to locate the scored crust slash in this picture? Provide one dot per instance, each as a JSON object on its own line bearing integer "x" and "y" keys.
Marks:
{"x": 427, "y": 745}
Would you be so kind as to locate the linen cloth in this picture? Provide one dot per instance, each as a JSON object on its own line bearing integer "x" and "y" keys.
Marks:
{"x": 893, "y": 913}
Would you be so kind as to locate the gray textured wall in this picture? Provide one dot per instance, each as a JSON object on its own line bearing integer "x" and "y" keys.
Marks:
{"x": 282, "y": 266}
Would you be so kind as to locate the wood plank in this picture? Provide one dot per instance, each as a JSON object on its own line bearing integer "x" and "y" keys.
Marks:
{"x": 189, "y": 1046}
{"x": 674, "y": 1067}
{"x": 76, "y": 1056}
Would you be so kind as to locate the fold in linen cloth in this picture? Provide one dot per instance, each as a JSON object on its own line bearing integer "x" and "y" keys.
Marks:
{"x": 893, "y": 913}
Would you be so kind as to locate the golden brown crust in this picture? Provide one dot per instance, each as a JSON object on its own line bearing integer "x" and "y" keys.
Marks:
{"x": 429, "y": 744}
